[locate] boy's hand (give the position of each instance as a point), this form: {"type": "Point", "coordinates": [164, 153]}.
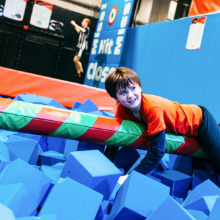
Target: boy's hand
{"type": "Point", "coordinates": [122, 179]}
{"type": "Point", "coordinates": [73, 23]}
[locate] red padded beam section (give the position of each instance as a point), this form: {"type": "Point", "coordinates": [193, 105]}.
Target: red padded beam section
{"type": "Point", "coordinates": [52, 119]}
{"type": "Point", "coordinates": [63, 92]}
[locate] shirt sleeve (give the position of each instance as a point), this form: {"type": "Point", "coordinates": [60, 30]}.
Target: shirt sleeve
{"type": "Point", "coordinates": [154, 120]}
{"type": "Point", "coordinates": [154, 154]}
{"type": "Point", "coordinates": [121, 112]}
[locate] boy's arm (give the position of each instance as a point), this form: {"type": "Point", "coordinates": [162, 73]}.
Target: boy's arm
{"type": "Point", "coordinates": [77, 27]}
{"type": "Point", "coordinates": [111, 152]}
{"type": "Point", "coordinates": [154, 154]}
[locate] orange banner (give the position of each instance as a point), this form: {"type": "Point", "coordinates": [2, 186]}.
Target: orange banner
{"type": "Point", "coordinates": [199, 7]}
{"type": "Point", "coordinates": [15, 82]}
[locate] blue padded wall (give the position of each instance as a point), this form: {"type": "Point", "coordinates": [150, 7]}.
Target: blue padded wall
{"type": "Point", "coordinates": [157, 53]}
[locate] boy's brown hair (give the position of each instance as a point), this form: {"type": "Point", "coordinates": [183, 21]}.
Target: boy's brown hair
{"type": "Point", "coordinates": [88, 21]}
{"type": "Point", "coordinates": [120, 79]}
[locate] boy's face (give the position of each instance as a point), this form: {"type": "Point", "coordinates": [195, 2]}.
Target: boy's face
{"type": "Point", "coordinates": [84, 24]}
{"type": "Point", "coordinates": [130, 97]}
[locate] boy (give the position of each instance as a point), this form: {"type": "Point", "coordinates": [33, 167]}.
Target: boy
{"type": "Point", "coordinates": [83, 32]}
{"type": "Point", "coordinates": [160, 115]}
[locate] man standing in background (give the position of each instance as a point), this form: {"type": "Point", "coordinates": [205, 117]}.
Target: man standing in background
{"type": "Point", "coordinates": [83, 32]}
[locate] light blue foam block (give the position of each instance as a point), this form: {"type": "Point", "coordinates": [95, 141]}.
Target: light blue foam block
{"type": "Point", "coordinates": [76, 105]}
{"type": "Point", "coordinates": [56, 144]}
{"type": "Point", "coordinates": [3, 164]}
{"type": "Point", "coordinates": [6, 213]}
{"type": "Point", "coordinates": [74, 145]}
{"type": "Point", "coordinates": [51, 102]}
{"type": "Point", "coordinates": [170, 209]}
{"type": "Point", "coordinates": [50, 158]}
{"type": "Point", "coordinates": [207, 188]}
{"type": "Point", "coordinates": [58, 165]}
{"type": "Point", "coordinates": [34, 181]}
{"type": "Point", "coordinates": [92, 169]}
{"type": "Point", "coordinates": [4, 152]}
{"type": "Point", "coordinates": [26, 149]}
{"type": "Point", "coordinates": [104, 209]}
{"type": "Point", "coordinates": [138, 197]}
{"type": "Point", "coordinates": [71, 200]}
{"type": "Point", "coordinates": [200, 176]}
{"type": "Point", "coordinates": [15, 197]}
{"type": "Point", "coordinates": [215, 212]}
{"type": "Point", "coordinates": [45, 217]}
{"type": "Point", "coordinates": [178, 182]}
{"type": "Point", "coordinates": [42, 140]}
{"type": "Point", "coordinates": [204, 204]}
{"type": "Point", "coordinates": [198, 214]}
{"type": "Point", "coordinates": [52, 172]}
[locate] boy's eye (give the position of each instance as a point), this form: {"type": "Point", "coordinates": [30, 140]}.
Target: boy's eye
{"type": "Point", "coordinates": [133, 88]}
{"type": "Point", "coordinates": [123, 93]}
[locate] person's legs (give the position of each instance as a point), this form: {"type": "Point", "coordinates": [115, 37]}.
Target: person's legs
{"type": "Point", "coordinates": [209, 136]}
{"type": "Point", "coordinates": [76, 61]}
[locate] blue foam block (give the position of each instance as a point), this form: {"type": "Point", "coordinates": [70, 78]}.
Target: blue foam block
{"type": "Point", "coordinates": [4, 152]}
{"type": "Point", "coordinates": [74, 145]}
{"type": "Point", "coordinates": [170, 209]}
{"type": "Point", "coordinates": [108, 114]}
{"type": "Point", "coordinates": [215, 212]}
{"type": "Point", "coordinates": [96, 113]}
{"type": "Point", "coordinates": [3, 164]}
{"type": "Point", "coordinates": [51, 102]}
{"type": "Point", "coordinates": [88, 106]}
{"type": "Point", "coordinates": [45, 217]}
{"type": "Point", "coordinates": [92, 169]}
{"type": "Point", "coordinates": [52, 172]}
{"type": "Point", "coordinates": [207, 188]}
{"type": "Point", "coordinates": [58, 165]}
{"type": "Point", "coordinates": [50, 158]}
{"type": "Point", "coordinates": [126, 157]}
{"type": "Point", "coordinates": [71, 200]}
{"type": "Point", "coordinates": [138, 197]}
{"type": "Point", "coordinates": [198, 215]}
{"type": "Point", "coordinates": [26, 149]}
{"type": "Point", "coordinates": [76, 105]}
{"type": "Point", "coordinates": [104, 209]}
{"type": "Point", "coordinates": [15, 197]}
{"type": "Point", "coordinates": [180, 163]}
{"type": "Point", "coordinates": [204, 204]}
{"type": "Point", "coordinates": [42, 140]}
{"type": "Point", "coordinates": [200, 176]}
{"type": "Point", "coordinates": [34, 181]}
{"type": "Point", "coordinates": [56, 144]}
{"type": "Point", "coordinates": [178, 182]}
{"type": "Point", "coordinates": [6, 213]}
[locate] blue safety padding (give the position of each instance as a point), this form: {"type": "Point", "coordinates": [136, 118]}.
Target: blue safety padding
{"type": "Point", "coordinates": [92, 169]}
{"type": "Point", "coordinates": [109, 42]}
{"type": "Point", "coordinates": [215, 213]}
{"type": "Point", "coordinates": [34, 181]}
{"type": "Point", "coordinates": [204, 204]}
{"type": "Point", "coordinates": [50, 158]}
{"type": "Point", "coordinates": [200, 176]}
{"type": "Point", "coordinates": [15, 197]}
{"type": "Point", "coordinates": [211, 89]}
{"type": "Point", "coordinates": [207, 188]}
{"type": "Point", "coordinates": [96, 73]}
{"type": "Point", "coordinates": [120, 13]}
{"type": "Point", "coordinates": [178, 182]}
{"type": "Point", "coordinates": [138, 197]}
{"type": "Point", "coordinates": [71, 200]}
{"type": "Point", "coordinates": [170, 209]}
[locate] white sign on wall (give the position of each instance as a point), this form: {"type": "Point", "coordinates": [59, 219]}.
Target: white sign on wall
{"type": "Point", "coordinates": [14, 9]}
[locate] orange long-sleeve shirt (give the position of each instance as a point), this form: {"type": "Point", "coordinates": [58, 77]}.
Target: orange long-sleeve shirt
{"type": "Point", "coordinates": [159, 113]}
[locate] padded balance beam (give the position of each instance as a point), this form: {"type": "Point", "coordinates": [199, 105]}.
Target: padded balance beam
{"type": "Point", "coordinates": [49, 121]}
